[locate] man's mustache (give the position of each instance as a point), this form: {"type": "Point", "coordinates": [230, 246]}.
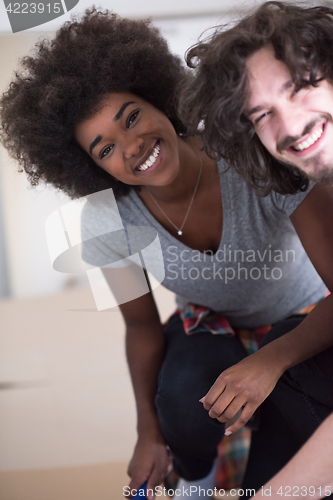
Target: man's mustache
{"type": "Point", "coordinates": [287, 141]}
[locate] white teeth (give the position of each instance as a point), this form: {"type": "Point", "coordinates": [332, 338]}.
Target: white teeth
{"type": "Point", "coordinates": [151, 160]}
{"type": "Point", "coordinates": [310, 140]}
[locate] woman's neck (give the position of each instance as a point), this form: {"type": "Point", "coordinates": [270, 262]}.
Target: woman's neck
{"type": "Point", "coordinates": [192, 162]}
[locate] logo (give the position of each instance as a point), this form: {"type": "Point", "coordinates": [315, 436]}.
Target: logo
{"type": "Point", "coordinates": [24, 15]}
{"type": "Point", "coordinates": [88, 234]}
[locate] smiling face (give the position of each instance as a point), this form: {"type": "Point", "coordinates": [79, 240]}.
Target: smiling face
{"type": "Point", "coordinates": [132, 140]}
{"type": "Point", "coordinates": [295, 127]}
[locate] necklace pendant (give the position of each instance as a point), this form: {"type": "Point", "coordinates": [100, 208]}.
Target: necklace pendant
{"type": "Point", "coordinates": [179, 231]}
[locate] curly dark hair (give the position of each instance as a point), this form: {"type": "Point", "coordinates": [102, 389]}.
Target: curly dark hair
{"type": "Point", "coordinates": [65, 81]}
{"type": "Point", "coordinates": [302, 38]}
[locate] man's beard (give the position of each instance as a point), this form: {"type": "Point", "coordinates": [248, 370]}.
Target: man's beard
{"type": "Point", "coordinates": [323, 174]}
{"type": "Point", "coordinates": [318, 170]}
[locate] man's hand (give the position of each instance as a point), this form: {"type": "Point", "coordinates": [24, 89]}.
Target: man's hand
{"type": "Point", "coordinates": [242, 386]}
{"type": "Point", "coordinates": [149, 462]}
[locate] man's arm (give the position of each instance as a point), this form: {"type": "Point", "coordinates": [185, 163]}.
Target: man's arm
{"type": "Point", "coordinates": [309, 474]}
{"type": "Point", "coordinates": [248, 383]}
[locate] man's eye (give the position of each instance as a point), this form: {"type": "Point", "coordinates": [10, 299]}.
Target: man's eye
{"type": "Point", "coordinates": [105, 151]}
{"type": "Point", "coordinates": [296, 90]}
{"type": "Point", "coordinates": [131, 119]}
{"type": "Point", "coordinates": [304, 84]}
{"type": "Point", "coordinates": [261, 117]}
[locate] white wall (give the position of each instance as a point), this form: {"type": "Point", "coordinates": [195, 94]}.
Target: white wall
{"type": "Point", "coordinates": [24, 210]}
{"type": "Point", "coordinates": [143, 9]}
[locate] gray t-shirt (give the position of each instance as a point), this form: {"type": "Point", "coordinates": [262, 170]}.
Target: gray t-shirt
{"type": "Point", "coordinates": [260, 273]}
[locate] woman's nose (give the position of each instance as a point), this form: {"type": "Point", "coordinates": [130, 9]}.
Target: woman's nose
{"type": "Point", "coordinates": [133, 147]}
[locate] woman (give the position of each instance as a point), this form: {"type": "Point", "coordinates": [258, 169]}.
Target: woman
{"type": "Point", "coordinates": [97, 108]}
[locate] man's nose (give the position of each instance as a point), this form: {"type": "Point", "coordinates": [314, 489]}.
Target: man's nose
{"type": "Point", "coordinates": [292, 121]}
{"type": "Point", "coordinates": [133, 146]}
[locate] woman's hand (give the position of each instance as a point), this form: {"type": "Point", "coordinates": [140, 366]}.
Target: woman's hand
{"type": "Point", "coordinates": [149, 463]}
{"type": "Point", "coordinates": [244, 385]}
{"type": "Point", "coordinates": [145, 347]}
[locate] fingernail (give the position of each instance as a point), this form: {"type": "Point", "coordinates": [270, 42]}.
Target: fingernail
{"type": "Point", "coordinates": [202, 400]}
{"type": "Point", "coordinates": [227, 433]}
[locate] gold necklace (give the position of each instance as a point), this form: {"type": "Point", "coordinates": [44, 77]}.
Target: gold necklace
{"type": "Point", "coordinates": [180, 229]}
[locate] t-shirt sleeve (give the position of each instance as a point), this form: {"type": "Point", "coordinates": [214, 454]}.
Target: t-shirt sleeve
{"type": "Point", "coordinates": [104, 242]}
{"type": "Point", "coordinates": [289, 202]}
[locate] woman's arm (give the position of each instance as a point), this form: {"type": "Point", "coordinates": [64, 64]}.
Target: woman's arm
{"type": "Point", "coordinates": [248, 383]}
{"type": "Point", "coordinates": [145, 352]}
{"type": "Point", "coordinates": [309, 474]}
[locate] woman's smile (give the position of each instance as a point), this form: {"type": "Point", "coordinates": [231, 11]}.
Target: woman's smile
{"type": "Point", "coordinates": [153, 160]}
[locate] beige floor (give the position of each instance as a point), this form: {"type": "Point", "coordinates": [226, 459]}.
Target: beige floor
{"type": "Point", "coordinates": [90, 482]}
{"type": "Point", "coordinates": [67, 414]}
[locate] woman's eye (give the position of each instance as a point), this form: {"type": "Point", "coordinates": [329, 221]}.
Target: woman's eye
{"type": "Point", "coordinates": [105, 151]}
{"type": "Point", "coordinates": [131, 119]}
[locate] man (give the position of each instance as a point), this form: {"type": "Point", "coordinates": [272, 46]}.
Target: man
{"type": "Point", "coordinates": [309, 473]}
{"type": "Point", "coordinates": [264, 90]}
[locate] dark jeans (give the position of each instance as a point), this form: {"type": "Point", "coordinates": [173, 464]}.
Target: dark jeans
{"type": "Point", "coordinates": [302, 398]}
